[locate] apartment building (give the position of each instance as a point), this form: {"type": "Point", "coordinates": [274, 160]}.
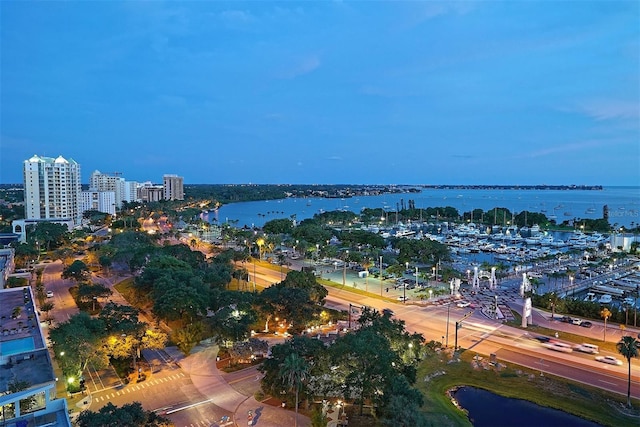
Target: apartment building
{"type": "Point", "coordinates": [173, 187]}
{"type": "Point", "coordinates": [102, 201]}
{"type": "Point", "coordinates": [27, 381]}
{"type": "Point", "coordinates": [151, 193]}
{"type": "Point", "coordinates": [52, 189]}
{"type": "Point", "coordinates": [104, 182]}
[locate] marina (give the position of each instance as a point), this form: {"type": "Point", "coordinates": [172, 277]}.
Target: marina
{"type": "Point", "coordinates": [565, 261]}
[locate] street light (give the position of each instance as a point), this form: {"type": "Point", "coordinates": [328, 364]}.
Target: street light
{"type": "Point", "coordinates": [404, 287]}
{"type": "Point", "coordinates": [381, 278]}
{"type": "Point", "coordinates": [571, 285]}
{"type": "Point", "coordinates": [344, 268]}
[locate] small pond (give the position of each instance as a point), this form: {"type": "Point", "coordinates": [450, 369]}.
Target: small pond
{"type": "Point", "coordinates": [487, 409]}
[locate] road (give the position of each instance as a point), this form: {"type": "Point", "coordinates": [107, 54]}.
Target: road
{"type": "Point", "coordinates": [186, 395]}
{"type": "Point", "coordinates": [486, 336]}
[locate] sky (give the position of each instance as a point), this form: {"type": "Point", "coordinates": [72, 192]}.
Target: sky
{"type": "Point", "coordinates": [311, 92]}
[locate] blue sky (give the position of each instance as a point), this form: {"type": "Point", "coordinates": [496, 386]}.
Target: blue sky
{"type": "Point", "coordinates": [483, 92]}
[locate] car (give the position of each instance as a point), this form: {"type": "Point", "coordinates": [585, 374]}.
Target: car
{"type": "Point", "coordinates": [576, 321]}
{"type": "Point", "coordinates": [587, 348]}
{"type": "Point", "coordinates": [463, 304]}
{"type": "Point", "coordinates": [609, 359]}
{"type": "Point", "coordinates": [402, 298]}
{"type": "Point", "coordinates": [558, 346]}
{"type": "Point", "coordinates": [586, 324]}
{"type": "Point", "coordinates": [49, 294]}
{"type": "Point", "coordinates": [565, 319]}
{"type": "Point", "coordinates": [543, 339]}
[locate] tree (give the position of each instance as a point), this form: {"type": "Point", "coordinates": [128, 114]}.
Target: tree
{"type": "Point", "coordinates": [605, 314]}
{"type": "Point", "coordinates": [88, 292]}
{"type": "Point", "coordinates": [128, 415]}
{"type": "Point", "coordinates": [77, 271]}
{"type": "Point", "coordinates": [186, 338]}
{"type": "Point", "coordinates": [49, 234]}
{"type": "Point", "coordinates": [628, 347]}
{"type": "Point", "coordinates": [120, 319]}
{"type": "Point", "coordinates": [295, 372]}
{"type": "Point", "coordinates": [77, 342]}
{"type": "Point", "coordinates": [46, 307]}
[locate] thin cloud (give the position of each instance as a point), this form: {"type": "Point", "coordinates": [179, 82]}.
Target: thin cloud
{"type": "Point", "coordinates": [611, 109]}
{"type": "Point", "coordinates": [237, 17]}
{"type": "Point", "coordinates": [335, 158]}
{"type": "Point", "coordinates": [304, 66]}
{"type": "Point", "coordinates": [567, 148]}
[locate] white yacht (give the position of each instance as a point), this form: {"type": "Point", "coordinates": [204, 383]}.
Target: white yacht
{"type": "Point", "coordinates": [591, 297]}
{"type": "Point", "coordinates": [605, 299]}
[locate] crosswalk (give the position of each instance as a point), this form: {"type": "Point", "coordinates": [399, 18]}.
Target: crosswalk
{"type": "Point", "coordinates": [137, 387]}
{"type": "Point", "coordinates": [207, 423]}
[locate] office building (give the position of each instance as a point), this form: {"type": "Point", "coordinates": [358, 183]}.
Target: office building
{"type": "Point", "coordinates": [52, 189]}
{"type": "Point", "coordinates": [173, 187]}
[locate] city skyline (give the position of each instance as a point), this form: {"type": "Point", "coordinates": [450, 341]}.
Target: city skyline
{"type": "Point", "coordinates": [325, 92]}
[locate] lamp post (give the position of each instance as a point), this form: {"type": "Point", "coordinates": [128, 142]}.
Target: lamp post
{"type": "Point", "coordinates": [380, 275]}
{"type": "Point", "coordinates": [404, 287]}
{"type": "Point", "coordinates": [254, 275]}
{"type": "Point", "coordinates": [573, 291]}
{"type": "Point", "coordinates": [344, 268]}
{"type": "Point", "coordinates": [417, 276]}
{"type": "Point", "coordinates": [447, 332]}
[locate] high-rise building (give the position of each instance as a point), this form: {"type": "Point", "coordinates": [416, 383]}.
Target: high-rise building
{"type": "Point", "coordinates": [173, 187]}
{"type": "Point", "coordinates": [131, 191]}
{"type": "Point", "coordinates": [52, 189]}
{"type": "Point", "coordinates": [102, 201]}
{"type": "Point", "coordinates": [104, 182]}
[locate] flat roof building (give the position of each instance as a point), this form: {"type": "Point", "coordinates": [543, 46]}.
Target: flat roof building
{"type": "Point", "coordinates": [52, 189]}
{"type": "Point", "coordinates": [27, 381]}
{"type": "Point", "coordinates": [173, 187]}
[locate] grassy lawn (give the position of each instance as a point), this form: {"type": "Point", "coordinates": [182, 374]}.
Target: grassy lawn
{"type": "Point", "coordinates": [436, 375]}
{"type": "Point", "coordinates": [126, 289]}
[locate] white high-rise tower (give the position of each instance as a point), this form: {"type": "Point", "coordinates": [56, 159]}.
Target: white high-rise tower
{"type": "Point", "coordinates": [52, 189]}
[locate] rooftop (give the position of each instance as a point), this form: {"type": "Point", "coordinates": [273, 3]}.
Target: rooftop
{"type": "Point", "coordinates": [23, 354]}
{"type": "Point", "coordinates": [18, 322]}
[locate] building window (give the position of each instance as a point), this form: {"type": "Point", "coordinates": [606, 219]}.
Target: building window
{"type": "Point", "coordinates": [8, 411]}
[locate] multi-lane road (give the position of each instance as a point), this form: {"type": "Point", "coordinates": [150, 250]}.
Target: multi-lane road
{"type": "Point", "coordinates": [486, 336]}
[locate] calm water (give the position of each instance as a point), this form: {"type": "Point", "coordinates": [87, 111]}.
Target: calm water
{"type": "Point", "coordinates": [487, 409]}
{"type": "Point", "coordinates": [623, 202]}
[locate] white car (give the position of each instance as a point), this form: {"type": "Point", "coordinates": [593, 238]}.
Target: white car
{"type": "Point", "coordinates": [49, 294]}
{"type": "Point", "coordinates": [558, 346]}
{"type": "Point", "coordinates": [609, 359]}
{"type": "Point", "coordinates": [587, 348]}
{"type": "Point", "coordinates": [463, 304]}
{"type": "Point", "coordinates": [401, 298]}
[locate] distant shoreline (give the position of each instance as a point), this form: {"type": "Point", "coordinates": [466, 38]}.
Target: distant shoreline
{"type": "Point", "coordinates": [514, 187]}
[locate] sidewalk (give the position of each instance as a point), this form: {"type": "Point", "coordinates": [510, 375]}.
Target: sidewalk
{"type": "Point", "coordinates": [201, 368]}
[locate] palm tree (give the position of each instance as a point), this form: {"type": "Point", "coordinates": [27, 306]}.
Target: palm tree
{"type": "Point", "coordinates": [605, 314]}
{"type": "Point", "coordinates": [294, 372]}
{"type": "Point", "coordinates": [628, 347]}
